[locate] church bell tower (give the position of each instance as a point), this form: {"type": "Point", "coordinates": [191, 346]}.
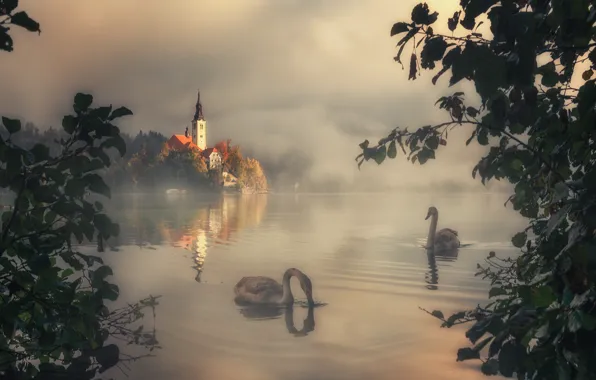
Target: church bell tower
{"type": "Point", "coordinates": [199, 126]}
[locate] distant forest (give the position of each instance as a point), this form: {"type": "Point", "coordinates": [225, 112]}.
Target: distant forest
{"type": "Point", "coordinates": [117, 175]}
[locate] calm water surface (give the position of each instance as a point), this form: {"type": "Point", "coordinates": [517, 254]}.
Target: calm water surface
{"type": "Point", "coordinates": [362, 254]}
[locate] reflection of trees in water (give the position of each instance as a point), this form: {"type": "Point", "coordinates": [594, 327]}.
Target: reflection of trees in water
{"type": "Point", "coordinates": [431, 277]}
{"type": "Point", "coordinates": [275, 312]}
{"type": "Point", "coordinates": [184, 221]}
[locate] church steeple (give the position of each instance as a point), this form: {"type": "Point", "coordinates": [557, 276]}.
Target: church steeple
{"type": "Point", "coordinates": [198, 108]}
{"type": "Point", "coordinates": [199, 125]}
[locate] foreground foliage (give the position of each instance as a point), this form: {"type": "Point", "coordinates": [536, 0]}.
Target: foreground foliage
{"type": "Point", "coordinates": [540, 132]}
{"type": "Point", "coordinates": [55, 320]}
{"type": "Point", "coordinates": [53, 296]}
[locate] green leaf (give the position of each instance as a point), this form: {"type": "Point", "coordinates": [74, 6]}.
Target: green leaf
{"type": "Point", "coordinates": [589, 179]}
{"type": "Point", "coordinates": [82, 102]}
{"type": "Point", "coordinates": [466, 354]}
{"type": "Point", "coordinates": [49, 216]}
{"type": "Point", "coordinates": [490, 367]}
{"type": "Point", "coordinates": [452, 21]}
{"type": "Point", "coordinates": [97, 185]}
{"type": "Point", "coordinates": [519, 239]}
{"type": "Point", "coordinates": [10, 5]}
{"type": "Point", "coordinates": [543, 296]}
{"type": "Point", "coordinates": [380, 154]}
{"type": "Point", "coordinates": [517, 129]}
{"type": "Point", "coordinates": [517, 164]}
{"type": "Point", "coordinates": [586, 98]}
{"type": "Point", "coordinates": [392, 150]}
{"type": "Point", "coordinates": [75, 187]}
{"type": "Point", "coordinates": [120, 112]}
{"type": "Point", "coordinates": [103, 112]}
{"type": "Point", "coordinates": [433, 51]}
{"type": "Point", "coordinates": [40, 152]}
{"type": "Point", "coordinates": [23, 20]}
{"type": "Point", "coordinates": [550, 77]}
{"type": "Point", "coordinates": [579, 320]}
{"type": "Point", "coordinates": [399, 27]}
{"type": "Point", "coordinates": [424, 155]}
{"type": "Point", "coordinates": [115, 142]}
{"type": "Point", "coordinates": [421, 15]}
{"type": "Point", "coordinates": [508, 359]}
{"type": "Point", "coordinates": [69, 123]}
{"type": "Point", "coordinates": [472, 112]}
{"type": "Point", "coordinates": [496, 291]}
{"type": "Point", "coordinates": [438, 314]}
{"type": "Point", "coordinates": [482, 136]}
{"type": "Point", "coordinates": [432, 142]}
{"type": "Point", "coordinates": [67, 272]}
{"type": "Point", "coordinates": [103, 223]}
{"type": "Point", "coordinates": [11, 125]}
{"type": "Point", "coordinates": [98, 206]}
{"type": "Point", "coordinates": [6, 42]}
{"type": "Point", "coordinates": [550, 80]}
{"type": "Point", "coordinates": [39, 263]}
{"type": "Point", "coordinates": [110, 292]}
{"type": "Point", "coordinates": [107, 356]}
{"type": "Point", "coordinates": [101, 274]}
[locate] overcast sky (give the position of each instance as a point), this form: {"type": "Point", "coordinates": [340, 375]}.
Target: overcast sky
{"type": "Point", "coordinates": [275, 75]}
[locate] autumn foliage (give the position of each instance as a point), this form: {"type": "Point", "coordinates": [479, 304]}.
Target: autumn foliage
{"type": "Point", "coordinates": [223, 147]}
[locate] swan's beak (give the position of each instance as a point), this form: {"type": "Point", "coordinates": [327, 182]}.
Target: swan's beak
{"type": "Point", "coordinates": [427, 216]}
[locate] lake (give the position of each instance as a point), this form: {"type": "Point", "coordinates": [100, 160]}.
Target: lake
{"type": "Point", "coordinates": [362, 253]}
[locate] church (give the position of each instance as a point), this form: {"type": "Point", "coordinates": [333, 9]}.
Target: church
{"type": "Point", "coordinates": [197, 139]}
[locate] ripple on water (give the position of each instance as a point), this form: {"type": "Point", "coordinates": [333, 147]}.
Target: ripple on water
{"type": "Point", "coordinates": [372, 273]}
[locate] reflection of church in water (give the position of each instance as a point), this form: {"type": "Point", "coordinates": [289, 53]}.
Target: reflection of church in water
{"type": "Point", "coordinates": [211, 228]}
{"type": "Point", "coordinates": [214, 224]}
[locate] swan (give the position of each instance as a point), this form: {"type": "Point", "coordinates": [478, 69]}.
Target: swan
{"type": "Point", "coordinates": [266, 291]}
{"type": "Point", "coordinates": [442, 241]}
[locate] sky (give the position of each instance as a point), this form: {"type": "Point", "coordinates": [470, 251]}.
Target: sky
{"type": "Point", "coordinates": [298, 81]}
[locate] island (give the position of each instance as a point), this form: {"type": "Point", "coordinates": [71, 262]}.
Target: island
{"type": "Point", "coordinates": [186, 161]}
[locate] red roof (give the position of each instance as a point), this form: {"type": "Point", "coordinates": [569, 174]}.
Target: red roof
{"type": "Point", "coordinates": [181, 142]}
{"type": "Point", "coordinates": [207, 152]}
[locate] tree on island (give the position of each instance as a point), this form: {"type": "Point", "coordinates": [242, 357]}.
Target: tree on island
{"type": "Point", "coordinates": [541, 130]}
{"type": "Point", "coordinates": [56, 320]}
{"type": "Point", "coordinates": [223, 147]}
{"type": "Point", "coordinates": [251, 175]}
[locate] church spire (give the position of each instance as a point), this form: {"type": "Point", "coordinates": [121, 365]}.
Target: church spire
{"type": "Point", "coordinates": [198, 108]}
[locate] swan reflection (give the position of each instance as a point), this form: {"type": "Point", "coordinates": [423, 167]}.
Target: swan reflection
{"type": "Point", "coordinates": [431, 277]}
{"type": "Point", "coordinates": [272, 312]}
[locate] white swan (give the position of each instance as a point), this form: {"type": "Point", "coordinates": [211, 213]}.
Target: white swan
{"type": "Point", "coordinates": [266, 291]}
{"type": "Point", "coordinates": [444, 241]}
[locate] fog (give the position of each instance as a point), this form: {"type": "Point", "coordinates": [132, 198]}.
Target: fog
{"type": "Point", "coordinates": [298, 84]}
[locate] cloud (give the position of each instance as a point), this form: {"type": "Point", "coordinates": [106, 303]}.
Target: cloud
{"type": "Point", "coordinates": [275, 76]}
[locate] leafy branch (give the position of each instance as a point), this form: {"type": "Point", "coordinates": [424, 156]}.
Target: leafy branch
{"type": "Point", "coordinates": [540, 137]}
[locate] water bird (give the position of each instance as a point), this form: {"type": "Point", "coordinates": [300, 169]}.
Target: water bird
{"type": "Point", "coordinates": [261, 290]}
{"type": "Point", "coordinates": [444, 241]}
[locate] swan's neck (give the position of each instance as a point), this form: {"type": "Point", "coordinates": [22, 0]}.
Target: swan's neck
{"type": "Point", "coordinates": [287, 298]}
{"type": "Point", "coordinates": [432, 231]}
